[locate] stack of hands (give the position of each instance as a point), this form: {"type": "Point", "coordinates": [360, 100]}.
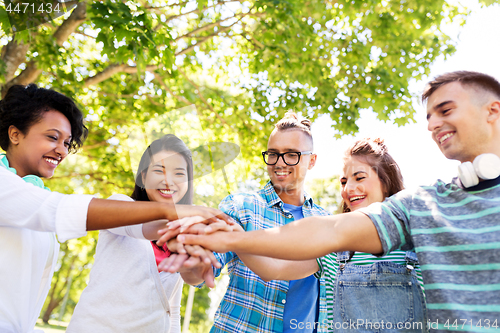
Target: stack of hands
{"type": "Point", "coordinates": [188, 257]}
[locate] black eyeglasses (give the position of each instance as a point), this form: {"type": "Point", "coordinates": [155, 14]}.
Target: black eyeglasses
{"type": "Point", "coordinates": [290, 158]}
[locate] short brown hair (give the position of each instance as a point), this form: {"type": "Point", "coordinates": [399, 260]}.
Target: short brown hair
{"type": "Point", "coordinates": [377, 156]}
{"type": "Point", "coordinates": [467, 78]}
{"type": "Point", "coordinates": [291, 121]}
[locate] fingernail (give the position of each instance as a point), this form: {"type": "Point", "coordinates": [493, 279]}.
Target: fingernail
{"type": "Point", "coordinates": [180, 238]}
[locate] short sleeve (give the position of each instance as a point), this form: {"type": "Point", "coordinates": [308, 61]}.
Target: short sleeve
{"type": "Point", "coordinates": [392, 221]}
{"type": "Point", "coordinates": [321, 271]}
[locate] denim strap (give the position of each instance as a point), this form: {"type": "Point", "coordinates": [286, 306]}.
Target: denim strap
{"type": "Point", "coordinates": [411, 258]}
{"type": "Point", "coordinates": [344, 256]}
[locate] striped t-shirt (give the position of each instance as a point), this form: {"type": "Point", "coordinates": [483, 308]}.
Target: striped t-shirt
{"type": "Point", "coordinates": [456, 235]}
{"type": "Point", "coordinates": [329, 266]}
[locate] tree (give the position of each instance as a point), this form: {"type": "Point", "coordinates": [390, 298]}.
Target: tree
{"type": "Point", "coordinates": [326, 192]}
{"type": "Point", "coordinates": [75, 258]}
{"type": "Point", "coordinates": [242, 64]}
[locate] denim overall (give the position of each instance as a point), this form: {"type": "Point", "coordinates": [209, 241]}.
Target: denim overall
{"type": "Point", "coordinates": [381, 297]}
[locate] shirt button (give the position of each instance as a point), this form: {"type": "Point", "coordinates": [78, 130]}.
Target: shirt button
{"type": "Point", "coordinates": [283, 301]}
{"type": "Point", "coordinates": [289, 215]}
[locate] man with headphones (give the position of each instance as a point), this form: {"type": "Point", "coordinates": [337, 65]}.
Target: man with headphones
{"type": "Point", "coordinates": [454, 228]}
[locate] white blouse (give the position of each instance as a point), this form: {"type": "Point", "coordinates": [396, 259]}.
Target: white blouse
{"type": "Point", "coordinates": [30, 217]}
{"type": "Point", "coordinates": [125, 292]}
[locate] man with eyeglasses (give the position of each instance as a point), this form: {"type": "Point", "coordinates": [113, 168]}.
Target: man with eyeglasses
{"type": "Point", "coordinates": [251, 304]}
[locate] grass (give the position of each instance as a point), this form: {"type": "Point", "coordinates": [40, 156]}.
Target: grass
{"type": "Point", "coordinates": [52, 327]}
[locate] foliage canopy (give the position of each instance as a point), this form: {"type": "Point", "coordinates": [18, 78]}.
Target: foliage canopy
{"type": "Point", "coordinates": [241, 63]}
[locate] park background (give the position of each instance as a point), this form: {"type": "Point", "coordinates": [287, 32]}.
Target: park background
{"type": "Point", "coordinates": [226, 71]}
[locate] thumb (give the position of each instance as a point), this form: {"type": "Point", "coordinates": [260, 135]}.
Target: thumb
{"type": "Point", "coordinates": [209, 278]}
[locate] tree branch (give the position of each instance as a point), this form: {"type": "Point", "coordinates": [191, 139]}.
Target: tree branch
{"type": "Point", "coordinates": [31, 73]}
{"type": "Point", "coordinates": [13, 54]}
{"type": "Point", "coordinates": [105, 74]}
{"type": "Point", "coordinates": [173, 5]}
{"type": "Point", "coordinates": [213, 25]}
{"type": "Point", "coordinates": [181, 99]}
{"type": "Point", "coordinates": [197, 10]}
{"type": "Point", "coordinates": [252, 39]}
{"type": "Point", "coordinates": [152, 100]}
{"type": "Point", "coordinates": [28, 75]}
{"type": "Point", "coordinates": [112, 70]}
{"type": "Point", "coordinates": [203, 99]}
{"type": "Point", "coordinates": [77, 17]}
{"type": "Point", "coordinates": [84, 34]}
{"type": "Point", "coordinates": [133, 69]}
{"type": "Point", "coordinates": [204, 39]}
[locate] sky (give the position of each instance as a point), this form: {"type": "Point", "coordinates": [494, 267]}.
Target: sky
{"type": "Point", "coordinates": [420, 160]}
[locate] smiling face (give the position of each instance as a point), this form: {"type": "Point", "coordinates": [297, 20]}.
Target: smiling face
{"type": "Point", "coordinates": [457, 117]}
{"type": "Point", "coordinates": [39, 151]}
{"type": "Point", "coordinates": [286, 179]}
{"type": "Point", "coordinates": [166, 178]}
{"type": "Point", "coordinates": [361, 185]}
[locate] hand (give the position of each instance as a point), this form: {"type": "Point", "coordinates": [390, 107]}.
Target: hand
{"type": "Point", "coordinates": [214, 227]}
{"type": "Point", "coordinates": [205, 256]}
{"type": "Point", "coordinates": [218, 241]}
{"type": "Point", "coordinates": [188, 259]}
{"type": "Point", "coordinates": [172, 228]}
{"type": "Point", "coordinates": [209, 214]}
{"type": "Point", "coordinates": [194, 225]}
{"type": "Point", "coordinates": [174, 246]}
{"type": "Point", "coordinates": [185, 223]}
{"type": "Point", "coordinates": [183, 263]}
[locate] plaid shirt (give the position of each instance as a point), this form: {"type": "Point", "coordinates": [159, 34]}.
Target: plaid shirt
{"type": "Point", "coordinates": [251, 304]}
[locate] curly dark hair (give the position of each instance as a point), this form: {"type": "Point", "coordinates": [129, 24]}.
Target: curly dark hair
{"type": "Point", "coordinates": [24, 106]}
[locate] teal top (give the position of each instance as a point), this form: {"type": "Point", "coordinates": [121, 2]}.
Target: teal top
{"type": "Point", "coordinates": [455, 232]}
{"type": "Point", "coordinates": [32, 179]}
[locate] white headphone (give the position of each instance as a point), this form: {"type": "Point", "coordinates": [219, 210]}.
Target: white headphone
{"type": "Point", "coordinates": [485, 166]}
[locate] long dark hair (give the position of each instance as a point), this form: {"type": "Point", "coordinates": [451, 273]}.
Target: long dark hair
{"type": "Point", "coordinates": [375, 153]}
{"type": "Point", "coordinates": [167, 142]}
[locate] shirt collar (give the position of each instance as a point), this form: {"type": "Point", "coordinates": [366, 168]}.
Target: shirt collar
{"type": "Point", "coordinates": [483, 185]}
{"type": "Point", "coordinates": [272, 197]}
